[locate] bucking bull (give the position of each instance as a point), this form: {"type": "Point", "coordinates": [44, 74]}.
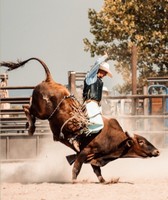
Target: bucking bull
{"type": "Point", "coordinates": [53, 102]}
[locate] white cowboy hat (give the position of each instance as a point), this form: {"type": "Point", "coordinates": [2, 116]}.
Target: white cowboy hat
{"type": "Point", "coordinates": [105, 67]}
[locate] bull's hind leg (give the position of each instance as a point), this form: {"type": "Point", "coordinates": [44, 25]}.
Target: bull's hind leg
{"type": "Point", "coordinates": [31, 120]}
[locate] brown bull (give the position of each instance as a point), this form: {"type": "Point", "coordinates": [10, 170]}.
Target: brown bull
{"type": "Point", "coordinates": [110, 144]}
{"type": "Point", "coordinates": [52, 101]}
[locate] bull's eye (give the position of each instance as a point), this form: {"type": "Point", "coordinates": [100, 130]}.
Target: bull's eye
{"type": "Point", "coordinates": [141, 142]}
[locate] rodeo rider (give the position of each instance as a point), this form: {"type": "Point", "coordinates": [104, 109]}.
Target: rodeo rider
{"type": "Point", "coordinates": [92, 95]}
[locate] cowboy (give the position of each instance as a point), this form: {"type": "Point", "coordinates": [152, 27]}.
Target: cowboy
{"type": "Point", "coordinates": [92, 95]}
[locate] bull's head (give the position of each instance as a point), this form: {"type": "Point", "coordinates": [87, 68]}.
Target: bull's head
{"type": "Point", "coordinates": [140, 147]}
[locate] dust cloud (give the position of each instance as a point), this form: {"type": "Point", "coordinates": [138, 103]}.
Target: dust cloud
{"type": "Point", "coordinates": [52, 166]}
{"type": "Point", "coordinates": [49, 166]}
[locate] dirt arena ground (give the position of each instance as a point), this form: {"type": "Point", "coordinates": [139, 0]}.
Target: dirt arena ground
{"type": "Point", "coordinates": [49, 178]}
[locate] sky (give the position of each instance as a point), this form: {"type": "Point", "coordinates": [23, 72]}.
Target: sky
{"type": "Point", "coordinates": [51, 30]}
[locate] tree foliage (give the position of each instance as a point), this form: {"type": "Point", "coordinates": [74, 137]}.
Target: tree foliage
{"type": "Point", "coordinates": [120, 24]}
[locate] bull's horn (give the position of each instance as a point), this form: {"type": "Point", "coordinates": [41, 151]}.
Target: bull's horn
{"type": "Point", "coordinates": [130, 134]}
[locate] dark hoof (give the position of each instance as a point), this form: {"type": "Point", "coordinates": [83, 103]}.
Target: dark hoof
{"type": "Point", "coordinates": [112, 181]}
{"type": "Point", "coordinates": [74, 181]}
{"type": "Point", "coordinates": [27, 125]}
{"type": "Point", "coordinates": [31, 130]}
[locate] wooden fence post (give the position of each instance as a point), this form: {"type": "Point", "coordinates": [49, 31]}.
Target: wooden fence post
{"type": "Point", "coordinates": [134, 78]}
{"type": "Point", "coordinates": [72, 81]}
{"type": "Point", "coordinates": [145, 108]}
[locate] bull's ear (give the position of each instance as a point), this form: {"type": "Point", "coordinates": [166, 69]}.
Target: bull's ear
{"type": "Point", "coordinates": [131, 135]}
{"type": "Point", "coordinates": [129, 143]}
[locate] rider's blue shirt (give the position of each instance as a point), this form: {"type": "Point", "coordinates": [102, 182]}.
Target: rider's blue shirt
{"type": "Point", "coordinates": [91, 76]}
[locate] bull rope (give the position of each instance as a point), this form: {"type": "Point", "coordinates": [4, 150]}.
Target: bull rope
{"type": "Point", "coordinates": [61, 133]}
{"type": "Point", "coordinates": [73, 117]}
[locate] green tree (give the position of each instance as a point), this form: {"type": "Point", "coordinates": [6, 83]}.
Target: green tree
{"type": "Point", "coordinates": [119, 25]}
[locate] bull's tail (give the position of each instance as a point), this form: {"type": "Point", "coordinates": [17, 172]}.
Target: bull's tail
{"type": "Point", "coordinates": [12, 66]}
{"type": "Point", "coordinates": [71, 158]}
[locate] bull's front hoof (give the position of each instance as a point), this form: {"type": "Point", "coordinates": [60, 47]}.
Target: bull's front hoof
{"type": "Point", "coordinates": [101, 179]}
{"type": "Point", "coordinates": [112, 181]}
{"type": "Point", "coordinates": [74, 181]}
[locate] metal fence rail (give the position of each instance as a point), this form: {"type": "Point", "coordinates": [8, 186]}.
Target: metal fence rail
{"type": "Point", "coordinates": [15, 143]}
